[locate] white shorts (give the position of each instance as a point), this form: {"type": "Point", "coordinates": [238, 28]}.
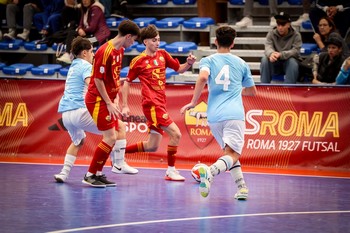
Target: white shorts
{"type": "Point", "coordinates": [229, 133]}
{"type": "Point", "coordinates": [77, 122]}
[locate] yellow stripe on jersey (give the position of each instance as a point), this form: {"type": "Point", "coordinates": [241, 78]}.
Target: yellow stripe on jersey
{"type": "Point", "coordinates": [107, 52]}
{"type": "Point", "coordinates": [96, 109]}
{"type": "Point", "coordinates": [138, 57]}
{"type": "Point", "coordinates": [154, 116]}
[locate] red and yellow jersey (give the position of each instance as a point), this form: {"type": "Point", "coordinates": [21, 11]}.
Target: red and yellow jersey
{"type": "Point", "coordinates": [107, 65]}
{"type": "Point", "coordinates": [151, 73]}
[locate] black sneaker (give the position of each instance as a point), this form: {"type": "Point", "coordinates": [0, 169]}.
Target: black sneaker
{"type": "Point", "coordinates": [93, 181]}
{"type": "Point", "coordinates": [104, 180]}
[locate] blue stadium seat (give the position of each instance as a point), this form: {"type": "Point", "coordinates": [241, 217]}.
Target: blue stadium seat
{"type": "Point", "coordinates": [184, 2]}
{"type": "Point", "coordinates": [33, 46]}
{"type": "Point", "coordinates": [295, 2]}
{"type": "Point", "coordinates": [46, 69]}
{"type": "Point", "coordinates": [170, 22]}
{"type": "Point", "coordinates": [307, 25]}
{"type": "Point", "coordinates": [237, 2]}
{"type": "Point", "coordinates": [124, 72]}
{"type": "Point", "coordinates": [144, 21]}
{"type": "Point", "coordinates": [198, 22]}
{"type": "Point", "coordinates": [180, 47]}
{"type": "Point", "coordinates": [11, 44]}
{"type": "Point", "coordinates": [2, 65]}
{"type": "Point", "coordinates": [308, 48]}
{"type": "Point", "coordinates": [141, 47]}
{"type": "Point", "coordinates": [170, 72]}
{"type": "Point", "coordinates": [64, 71]}
{"type": "Point", "coordinates": [114, 22]}
{"type": "Point", "coordinates": [157, 2]}
{"type": "Point", "coordinates": [17, 68]}
{"type": "Point", "coordinates": [133, 46]}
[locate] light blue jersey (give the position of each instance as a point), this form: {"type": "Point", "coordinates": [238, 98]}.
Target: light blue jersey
{"type": "Point", "coordinates": [227, 75]}
{"type": "Point", "coordinates": [75, 88]}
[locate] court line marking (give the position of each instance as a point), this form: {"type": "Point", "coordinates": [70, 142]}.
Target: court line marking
{"type": "Point", "coordinates": [183, 169]}
{"type": "Point", "coordinates": [197, 218]}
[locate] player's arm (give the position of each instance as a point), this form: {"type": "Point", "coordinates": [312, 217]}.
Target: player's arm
{"type": "Point", "coordinates": [125, 94]}
{"type": "Point", "coordinates": [189, 62]}
{"type": "Point", "coordinates": [200, 84]}
{"type": "Point", "coordinates": [249, 91]}
{"type": "Point", "coordinates": [112, 109]}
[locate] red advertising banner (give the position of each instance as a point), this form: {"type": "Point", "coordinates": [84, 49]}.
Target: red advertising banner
{"type": "Point", "coordinates": [288, 127]}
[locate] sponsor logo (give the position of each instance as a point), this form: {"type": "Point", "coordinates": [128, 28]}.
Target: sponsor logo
{"type": "Point", "coordinates": [197, 125]}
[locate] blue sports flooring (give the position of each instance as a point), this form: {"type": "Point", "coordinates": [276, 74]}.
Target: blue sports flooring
{"type": "Point", "coordinates": [31, 201]}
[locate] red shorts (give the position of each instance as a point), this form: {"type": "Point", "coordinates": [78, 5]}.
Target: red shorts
{"type": "Point", "coordinates": [157, 116]}
{"type": "Point", "coordinates": [99, 112]}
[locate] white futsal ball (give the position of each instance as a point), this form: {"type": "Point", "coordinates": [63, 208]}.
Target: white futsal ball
{"type": "Point", "coordinates": [195, 172]}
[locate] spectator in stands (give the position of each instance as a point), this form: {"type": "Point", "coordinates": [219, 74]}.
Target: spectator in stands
{"type": "Point", "coordinates": [337, 10]}
{"type": "Point", "coordinates": [92, 25]}
{"type": "Point", "coordinates": [21, 11]}
{"type": "Point", "coordinates": [71, 14]}
{"type": "Point", "coordinates": [247, 20]}
{"type": "Point", "coordinates": [305, 16]}
{"type": "Point", "coordinates": [327, 64]}
{"type": "Point", "coordinates": [108, 7]}
{"type": "Point", "coordinates": [344, 73]}
{"type": "Point", "coordinates": [49, 21]}
{"type": "Point", "coordinates": [3, 4]}
{"type": "Point", "coordinates": [327, 28]}
{"type": "Point", "coordinates": [282, 51]}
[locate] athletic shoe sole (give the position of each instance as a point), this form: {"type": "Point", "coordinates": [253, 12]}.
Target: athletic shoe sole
{"type": "Point", "coordinates": [204, 185]}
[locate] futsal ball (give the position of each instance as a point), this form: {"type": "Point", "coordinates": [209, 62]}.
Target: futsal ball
{"type": "Point", "coordinates": [195, 172]}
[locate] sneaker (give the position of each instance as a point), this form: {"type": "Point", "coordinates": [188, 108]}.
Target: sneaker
{"type": "Point", "coordinates": [65, 58]}
{"type": "Point", "coordinates": [242, 194]}
{"type": "Point", "coordinates": [104, 180]}
{"type": "Point", "coordinates": [11, 35]}
{"type": "Point", "coordinates": [206, 178]}
{"type": "Point", "coordinates": [273, 22]}
{"type": "Point", "coordinates": [245, 22]}
{"type": "Point", "coordinates": [93, 181]}
{"type": "Point", "coordinates": [24, 35]}
{"type": "Point", "coordinates": [61, 178]}
{"type": "Point", "coordinates": [124, 169]}
{"type": "Point", "coordinates": [173, 176]}
{"type": "Point", "coordinates": [304, 17]}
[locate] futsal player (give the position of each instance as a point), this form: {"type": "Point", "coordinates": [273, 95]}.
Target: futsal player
{"type": "Point", "coordinates": [150, 67]}
{"type": "Point", "coordinates": [227, 77]}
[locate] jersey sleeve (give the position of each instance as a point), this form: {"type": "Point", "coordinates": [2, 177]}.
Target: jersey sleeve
{"type": "Point", "coordinates": [247, 76]}
{"type": "Point", "coordinates": [100, 61]}
{"type": "Point", "coordinates": [134, 69]}
{"type": "Point", "coordinates": [171, 62]}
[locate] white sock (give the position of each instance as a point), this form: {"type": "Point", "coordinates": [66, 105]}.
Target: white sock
{"type": "Point", "coordinates": [118, 152]}
{"type": "Point", "coordinates": [221, 165]}
{"type": "Point", "coordinates": [171, 168]}
{"type": "Point", "coordinates": [69, 161]}
{"type": "Point", "coordinates": [237, 175]}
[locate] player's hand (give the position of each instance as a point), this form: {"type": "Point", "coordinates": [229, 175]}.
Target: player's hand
{"type": "Point", "coordinates": [191, 59]}
{"type": "Point", "coordinates": [113, 111]}
{"type": "Point", "coordinates": [186, 107]}
{"type": "Point", "coordinates": [125, 111]}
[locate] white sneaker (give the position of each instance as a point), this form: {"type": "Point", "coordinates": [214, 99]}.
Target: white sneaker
{"type": "Point", "coordinates": [65, 58]}
{"type": "Point", "coordinates": [173, 176]}
{"type": "Point", "coordinates": [24, 35]}
{"type": "Point", "coordinates": [61, 178]}
{"type": "Point", "coordinates": [242, 194]}
{"type": "Point", "coordinates": [273, 22]}
{"type": "Point", "coordinates": [206, 179]}
{"type": "Point", "coordinates": [304, 17]}
{"type": "Point", "coordinates": [11, 35]}
{"type": "Point", "coordinates": [124, 169]}
{"type": "Point", "coordinates": [245, 22]}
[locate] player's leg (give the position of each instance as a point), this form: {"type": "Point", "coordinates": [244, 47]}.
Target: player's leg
{"type": "Point", "coordinates": [77, 136]}
{"type": "Point", "coordinates": [119, 164]}
{"type": "Point", "coordinates": [174, 139]}
{"type": "Point", "coordinates": [94, 175]}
